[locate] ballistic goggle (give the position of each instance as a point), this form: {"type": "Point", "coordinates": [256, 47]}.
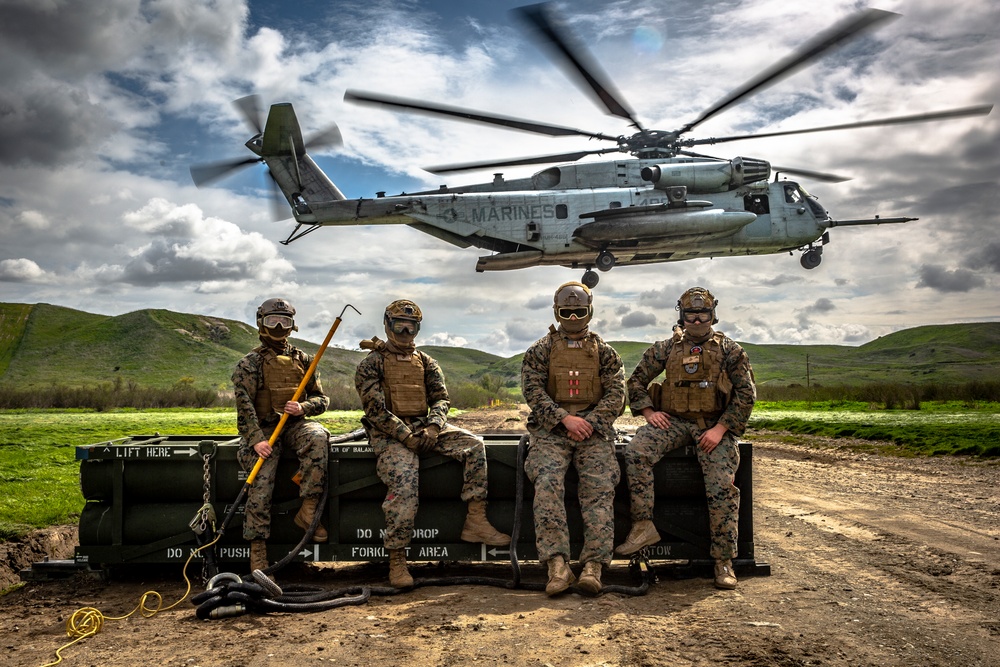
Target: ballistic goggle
{"type": "Point", "coordinates": [692, 316]}
{"type": "Point", "coordinates": [275, 321]}
{"type": "Point", "coordinates": [400, 325]}
{"type": "Point", "coordinates": [577, 312]}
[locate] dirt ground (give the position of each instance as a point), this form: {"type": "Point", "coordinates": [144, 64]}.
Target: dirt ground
{"type": "Point", "coordinates": [874, 561]}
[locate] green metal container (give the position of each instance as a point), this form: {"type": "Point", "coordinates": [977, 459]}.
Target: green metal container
{"type": "Point", "coordinates": [142, 493]}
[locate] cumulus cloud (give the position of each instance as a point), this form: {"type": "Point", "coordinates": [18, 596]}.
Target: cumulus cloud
{"type": "Point", "coordinates": [538, 302]}
{"type": "Point", "coordinates": [638, 319]}
{"type": "Point", "coordinates": [942, 279]}
{"type": "Point", "coordinates": [445, 339]}
{"type": "Point", "coordinates": [190, 247]}
{"type": "Point", "coordinates": [20, 271]}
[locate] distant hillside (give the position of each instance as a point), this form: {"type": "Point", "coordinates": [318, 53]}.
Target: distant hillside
{"type": "Point", "coordinates": [42, 345]}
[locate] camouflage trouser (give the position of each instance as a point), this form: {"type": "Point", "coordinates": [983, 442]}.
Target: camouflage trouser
{"type": "Point", "coordinates": [549, 457]}
{"type": "Point", "coordinates": [399, 469]}
{"type": "Point", "coordinates": [311, 443]}
{"type": "Point", "coordinates": [718, 467]}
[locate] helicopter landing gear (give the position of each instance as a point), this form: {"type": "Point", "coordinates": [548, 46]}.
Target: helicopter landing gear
{"type": "Point", "coordinates": [605, 260]}
{"type": "Point", "coordinates": [811, 258]}
{"type": "Point", "coordinates": [590, 278]}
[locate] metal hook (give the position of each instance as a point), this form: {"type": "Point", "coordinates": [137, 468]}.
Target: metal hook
{"type": "Point", "coordinates": [341, 316]}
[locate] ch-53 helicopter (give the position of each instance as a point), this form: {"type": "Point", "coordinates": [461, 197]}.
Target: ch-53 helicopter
{"type": "Point", "coordinates": [666, 204]}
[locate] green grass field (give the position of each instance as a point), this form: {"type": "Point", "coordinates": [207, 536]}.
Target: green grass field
{"type": "Point", "coordinates": [39, 476]}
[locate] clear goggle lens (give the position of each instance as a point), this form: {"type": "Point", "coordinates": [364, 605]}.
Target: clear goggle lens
{"type": "Point", "coordinates": [692, 316]}
{"type": "Point", "coordinates": [401, 326]}
{"type": "Point", "coordinates": [275, 321]}
{"type": "Point", "coordinates": [578, 313]}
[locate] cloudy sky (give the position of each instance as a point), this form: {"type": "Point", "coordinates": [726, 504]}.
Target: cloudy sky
{"type": "Point", "coordinates": [105, 105]}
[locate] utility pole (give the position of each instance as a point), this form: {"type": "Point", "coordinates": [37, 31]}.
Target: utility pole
{"type": "Point", "coordinates": [807, 372]}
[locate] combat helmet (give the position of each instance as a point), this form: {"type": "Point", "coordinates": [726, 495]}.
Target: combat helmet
{"type": "Point", "coordinates": [402, 316]}
{"type": "Point", "coordinates": [276, 319]}
{"type": "Point", "coordinates": [696, 300]}
{"type": "Point", "coordinates": [573, 307]}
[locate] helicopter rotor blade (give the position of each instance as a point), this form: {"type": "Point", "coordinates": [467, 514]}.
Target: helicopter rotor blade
{"type": "Point", "coordinates": [360, 97]}
{"type": "Point", "coordinates": [249, 107]}
{"type": "Point", "coordinates": [538, 159]}
{"type": "Point", "coordinates": [979, 110]}
{"type": "Point", "coordinates": [205, 174]}
{"type": "Point", "coordinates": [279, 205]}
{"type": "Point", "coordinates": [575, 55]}
{"type": "Point", "coordinates": [328, 138]}
{"type": "Point", "coordinates": [847, 29]}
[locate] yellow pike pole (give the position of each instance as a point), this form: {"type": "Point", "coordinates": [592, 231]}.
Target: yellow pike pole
{"type": "Point", "coordinates": [284, 417]}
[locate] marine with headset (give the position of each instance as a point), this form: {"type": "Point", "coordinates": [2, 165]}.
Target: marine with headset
{"type": "Point", "coordinates": [575, 386]}
{"type": "Point", "coordinates": [704, 400]}
{"type": "Point", "coordinates": [264, 382]}
{"type": "Point", "coordinates": [406, 403]}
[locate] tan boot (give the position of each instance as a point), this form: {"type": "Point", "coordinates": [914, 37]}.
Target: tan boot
{"type": "Point", "coordinates": [560, 576]}
{"type": "Point", "coordinates": [478, 528]}
{"type": "Point", "coordinates": [590, 578]}
{"type": "Point", "coordinates": [258, 555]}
{"type": "Point", "coordinates": [399, 576]}
{"type": "Point", "coordinates": [305, 517]}
{"type": "Point", "coordinates": [724, 575]}
{"type": "Point", "coordinates": [643, 534]}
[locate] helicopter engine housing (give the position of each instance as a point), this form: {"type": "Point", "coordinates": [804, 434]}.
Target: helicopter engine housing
{"type": "Point", "coordinates": [708, 176]}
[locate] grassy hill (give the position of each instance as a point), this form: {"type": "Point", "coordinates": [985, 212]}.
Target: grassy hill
{"type": "Point", "coordinates": [42, 345]}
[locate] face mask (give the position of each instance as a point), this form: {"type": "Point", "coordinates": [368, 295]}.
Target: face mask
{"type": "Point", "coordinates": [699, 331]}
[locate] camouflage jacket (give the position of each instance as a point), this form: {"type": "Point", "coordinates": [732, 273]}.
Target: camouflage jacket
{"type": "Point", "coordinates": [546, 415]}
{"type": "Point", "coordinates": [249, 377]}
{"type": "Point", "coordinates": [369, 381]}
{"type": "Point", "coordinates": [735, 364]}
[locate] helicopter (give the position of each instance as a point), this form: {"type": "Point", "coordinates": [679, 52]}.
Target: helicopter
{"type": "Point", "coordinates": [660, 202]}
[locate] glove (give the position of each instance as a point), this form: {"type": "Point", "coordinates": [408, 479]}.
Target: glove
{"type": "Point", "coordinates": [428, 438]}
{"type": "Point", "coordinates": [412, 442]}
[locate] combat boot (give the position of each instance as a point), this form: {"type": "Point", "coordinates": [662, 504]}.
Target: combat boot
{"type": "Point", "coordinates": [590, 578]}
{"type": "Point", "coordinates": [478, 528]}
{"type": "Point", "coordinates": [724, 575]}
{"type": "Point", "coordinates": [258, 555]}
{"type": "Point", "coordinates": [305, 516]}
{"type": "Point", "coordinates": [643, 534]}
{"type": "Point", "coordinates": [399, 576]}
{"type": "Point", "coordinates": [560, 576]}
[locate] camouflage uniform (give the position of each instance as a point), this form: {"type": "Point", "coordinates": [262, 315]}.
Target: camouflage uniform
{"type": "Point", "coordinates": [398, 466]}
{"type": "Point", "coordinates": [308, 439]}
{"type": "Point", "coordinates": [551, 451]}
{"type": "Point", "coordinates": [719, 466]}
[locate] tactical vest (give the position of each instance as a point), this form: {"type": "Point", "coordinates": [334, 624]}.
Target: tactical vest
{"type": "Point", "coordinates": [281, 377]}
{"type": "Point", "coordinates": [574, 373]}
{"type": "Point", "coordinates": [694, 385]}
{"type": "Point", "coordinates": [403, 384]}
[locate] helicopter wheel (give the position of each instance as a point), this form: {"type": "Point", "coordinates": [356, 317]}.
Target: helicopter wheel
{"type": "Point", "coordinates": [590, 278]}
{"type": "Point", "coordinates": [810, 259]}
{"type": "Point", "coordinates": [605, 260]}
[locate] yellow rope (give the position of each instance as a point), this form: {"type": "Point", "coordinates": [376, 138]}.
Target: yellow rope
{"type": "Point", "coordinates": [88, 621]}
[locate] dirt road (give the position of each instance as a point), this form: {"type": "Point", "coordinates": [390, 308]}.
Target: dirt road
{"type": "Point", "coordinates": [875, 561]}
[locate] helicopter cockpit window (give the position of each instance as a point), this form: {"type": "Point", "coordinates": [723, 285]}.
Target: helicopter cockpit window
{"type": "Point", "coordinates": [757, 204]}
{"type": "Point", "coordinates": [792, 194]}
{"type": "Point", "coordinates": [562, 211]}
